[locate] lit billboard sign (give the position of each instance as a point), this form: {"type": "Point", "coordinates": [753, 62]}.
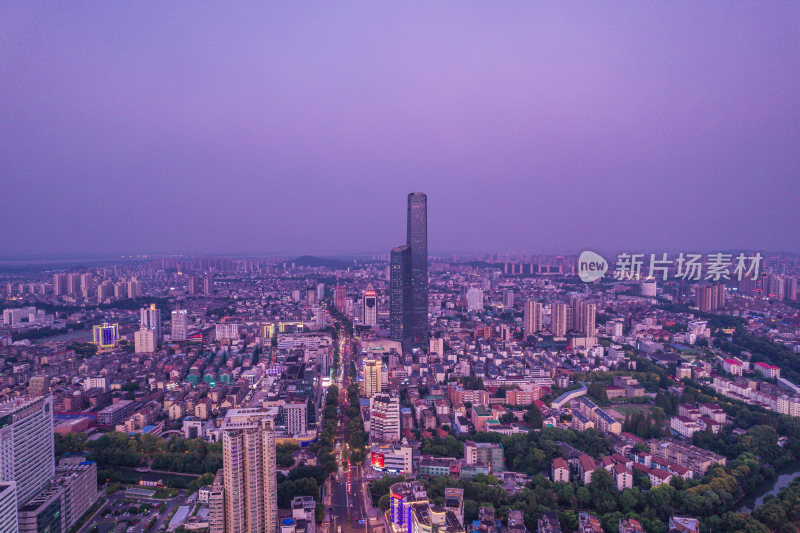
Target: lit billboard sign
{"type": "Point", "coordinates": [377, 460]}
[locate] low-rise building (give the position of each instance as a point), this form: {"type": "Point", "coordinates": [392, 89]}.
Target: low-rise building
{"type": "Point", "coordinates": [586, 465]}
{"type": "Point", "coordinates": [560, 470]}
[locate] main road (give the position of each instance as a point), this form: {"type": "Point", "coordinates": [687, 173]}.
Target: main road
{"type": "Point", "coordinates": [346, 491]}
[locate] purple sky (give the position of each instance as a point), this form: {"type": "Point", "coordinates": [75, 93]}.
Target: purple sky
{"type": "Point", "coordinates": [128, 127]}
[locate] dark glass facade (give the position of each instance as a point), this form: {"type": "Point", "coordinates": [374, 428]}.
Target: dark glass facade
{"type": "Point", "coordinates": [400, 294]}
{"type": "Point", "coordinates": [417, 240]}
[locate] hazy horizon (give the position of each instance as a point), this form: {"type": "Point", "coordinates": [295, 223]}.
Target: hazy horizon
{"type": "Point", "coordinates": [288, 129]}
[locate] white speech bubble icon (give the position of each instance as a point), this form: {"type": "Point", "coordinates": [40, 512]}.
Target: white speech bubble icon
{"type": "Point", "coordinates": [591, 266]}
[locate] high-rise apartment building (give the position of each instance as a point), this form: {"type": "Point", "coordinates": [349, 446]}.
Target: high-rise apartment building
{"type": "Point", "coordinates": [194, 285]}
{"type": "Point", "coordinates": [295, 414]}
{"type": "Point", "coordinates": [87, 280]}
{"type": "Point", "coordinates": [384, 422]}
{"type": "Point", "coordinates": [74, 284]}
{"type": "Point", "coordinates": [588, 326]}
{"type": "Point", "coordinates": [216, 504]}
{"type": "Point", "coordinates": [120, 289]}
{"type": "Point", "coordinates": [27, 456]}
{"type": "Point", "coordinates": [417, 240]}
{"type": "Point", "coordinates": [105, 290]}
{"type": "Point", "coordinates": [474, 299]}
{"type": "Point", "coordinates": [59, 284]}
{"type": "Point", "coordinates": [248, 458]}
{"type": "Point", "coordinates": [208, 285]}
{"type": "Point", "coordinates": [710, 297]}
{"type": "Point", "coordinates": [134, 288]}
{"type": "Point", "coordinates": [370, 306]}
{"type": "Point", "coordinates": [532, 318]}
{"type": "Point", "coordinates": [180, 325]}
{"type": "Point", "coordinates": [508, 299]}
{"type": "Point", "coordinates": [145, 340]}
{"type": "Point", "coordinates": [400, 294]}
{"type": "Point", "coordinates": [558, 319]}
{"type": "Point", "coordinates": [583, 317]}
{"type": "Point", "coordinates": [372, 377]}
{"type": "Point", "coordinates": [339, 296]}
{"type": "Point", "coordinates": [150, 318]}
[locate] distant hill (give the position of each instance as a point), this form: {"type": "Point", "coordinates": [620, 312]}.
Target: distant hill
{"type": "Point", "coordinates": [311, 261]}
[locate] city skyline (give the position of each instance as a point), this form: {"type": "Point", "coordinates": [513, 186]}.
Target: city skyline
{"type": "Point", "coordinates": [549, 129]}
{"type": "Point", "coordinates": [364, 267]}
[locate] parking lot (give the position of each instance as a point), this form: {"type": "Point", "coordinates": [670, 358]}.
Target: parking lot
{"type": "Point", "coordinates": [121, 514]}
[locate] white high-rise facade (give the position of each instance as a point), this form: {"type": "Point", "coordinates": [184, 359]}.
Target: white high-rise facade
{"type": "Point", "coordinates": [151, 318]}
{"type": "Point", "coordinates": [558, 319]}
{"type": "Point", "coordinates": [144, 341]}
{"type": "Point", "coordinates": [295, 413]}
{"type": "Point", "coordinates": [384, 421]}
{"type": "Point", "coordinates": [532, 319]}
{"type": "Point", "coordinates": [372, 377]}
{"type": "Point", "coordinates": [248, 458]}
{"type": "Point", "coordinates": [27, 456]}
{"type": "Point", "coordinates": [226, 331]}
{"type": "Point", "coordinates": [474, 299]}
{"type": "Point", "coordinates": [180, 325]}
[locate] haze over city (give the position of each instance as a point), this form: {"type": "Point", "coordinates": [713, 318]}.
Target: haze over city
{"type": "Point", "coordinates": [293, 129]}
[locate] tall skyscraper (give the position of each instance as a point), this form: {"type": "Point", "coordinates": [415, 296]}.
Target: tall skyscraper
{"type": "Point", "coordinates": [370, 306]}
{"type": "Point", "coordinates": [400, 294]}
{"type": "Point", "coordinates": [558, 319]}
{"type": "Point", "coordinates": [27, 456]}
{"type": "Point", "coordinates": [372, 377]}
{"type": "Point", "coordinates": [180, 325]}
{"type": "Point", "coordinates": [532, 319]}
{"type": "Point", "coordinates": [248, 459]}
{"type": "Point", "coordinates": [417, 240]}
{"type": "Point", "coordinates": [150, 317]}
